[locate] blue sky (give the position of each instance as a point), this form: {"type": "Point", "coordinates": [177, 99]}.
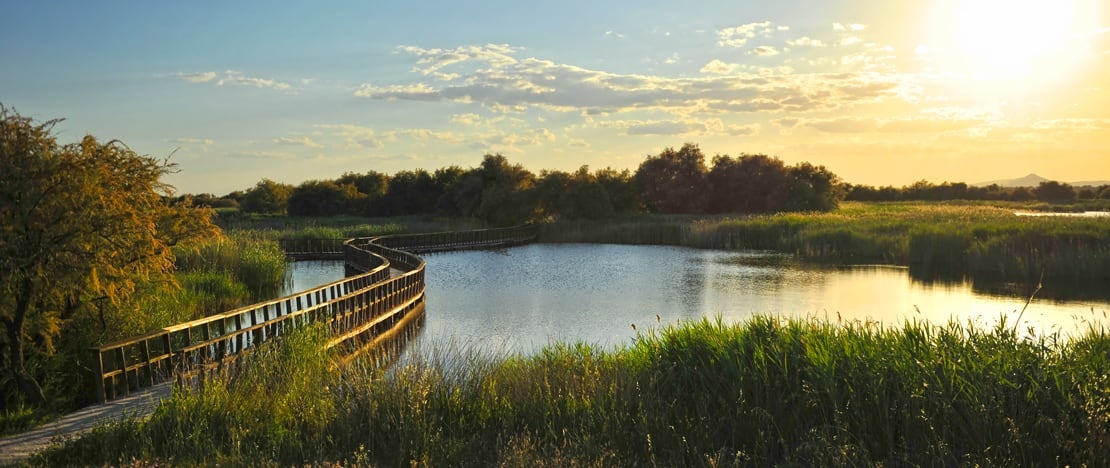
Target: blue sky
{"type": "Point", "coordinates": [879, 92]}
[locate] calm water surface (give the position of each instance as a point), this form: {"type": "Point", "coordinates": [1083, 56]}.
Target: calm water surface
{"type": "Point", "coordinates": [523, 298]}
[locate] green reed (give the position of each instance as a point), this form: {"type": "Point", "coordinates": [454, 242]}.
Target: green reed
{"type": "Point", "coordinates": [937, 240]}
{"type": "Point", "coordinates": [258, 264]}
{"type": "Point", "coordinates": [705, 393]}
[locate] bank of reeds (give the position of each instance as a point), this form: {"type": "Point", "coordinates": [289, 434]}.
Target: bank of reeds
{"type": "Point", "coordinates": [937, 241]}
{"type": "Point", "coordinates": [280, 227]}
{"type": "Point", "coordinates": [226, 266]}
{"type": "Point", "coordinates": [767, 391]}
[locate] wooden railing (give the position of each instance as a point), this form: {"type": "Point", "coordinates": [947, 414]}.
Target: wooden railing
{"type": "Point", "coordinates": [312, 249]}
{"type": "Point", "coordinates": [369, 301]}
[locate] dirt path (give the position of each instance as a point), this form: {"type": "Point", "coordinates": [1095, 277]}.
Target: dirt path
{"type": "Point", "coordinates": [18, 447]}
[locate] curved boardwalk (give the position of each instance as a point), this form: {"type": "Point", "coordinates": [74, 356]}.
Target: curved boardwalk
{"type": "Point", "coordinates": [385, 281]}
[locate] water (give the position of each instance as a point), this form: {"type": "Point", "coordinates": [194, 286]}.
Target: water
{"type": "Point", "coordinates": [523, 298]}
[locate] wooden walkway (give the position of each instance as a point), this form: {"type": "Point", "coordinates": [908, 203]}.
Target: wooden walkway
{"type": "Point", "coordinates": [384, 283]}
{"type": "Point", "coordinates": [18, 447]}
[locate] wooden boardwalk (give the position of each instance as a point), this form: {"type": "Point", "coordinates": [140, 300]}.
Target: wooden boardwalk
{"type": "Point", "coordinates": [384, 284]}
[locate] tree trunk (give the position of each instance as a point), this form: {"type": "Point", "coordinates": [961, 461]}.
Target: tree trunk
{"type": "Point", "coordinates": [26, 383]}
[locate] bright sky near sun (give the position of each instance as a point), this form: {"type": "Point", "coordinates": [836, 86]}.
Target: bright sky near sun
{"type": "Point", "coordinates": [879, 92]}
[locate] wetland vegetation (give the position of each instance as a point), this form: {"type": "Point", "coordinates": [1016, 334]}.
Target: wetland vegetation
{"type": "Point", "coordinates": [766, 391]}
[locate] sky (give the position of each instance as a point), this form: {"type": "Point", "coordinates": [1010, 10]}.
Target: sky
{"type": "Point", "coordinates": [881, 93]}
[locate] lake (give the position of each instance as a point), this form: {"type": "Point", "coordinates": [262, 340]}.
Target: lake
{"type": "Point", "coordinates": [523, 298]}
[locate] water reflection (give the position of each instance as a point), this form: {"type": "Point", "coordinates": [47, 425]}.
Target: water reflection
{"type": "Point", "coordinates": [523, 298]}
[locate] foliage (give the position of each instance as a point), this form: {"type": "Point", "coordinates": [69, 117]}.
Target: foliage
{"type": "Point", "coordinates": [325, 198]}
{"type": "Point", "coordinates": [266, 196]}
{"type": "Point", "coordinates": [81, 225]}
{"type": "Point", "coordinates": [674, 181]}
{"type": "Point", "coordinates": [748, 184]}
{"type": "Point", "coordinates": [764, 392]}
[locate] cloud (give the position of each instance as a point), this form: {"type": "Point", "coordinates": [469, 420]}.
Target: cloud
{"type": "Point", "coordinates": [354, 136]}
{"type": "Point", "coordinates": [201, 77]}
{"type": "Point", "coordinates": [764, 51]}
{"type": "Point", "coordinates": [891, 125]}
{"type": "Point", "coordinates": [266, 155]}
{"type": "Point", "coordinates": [233, 78]}
{"type": "Point", "coordinates": [297, 141]}
{"type": "Point", "coordinates": [849, 27]}
{"type": "Point", "coordinates": [192, 141]}
{"type": "Point", "coordinates": [737, 36]}
{"type": "Point", "coordinates": [423, 135]}
{"type": "Point", "coordinates": [413, 92]}
{"type": "Point", "coordinates": [465, 119]}
{"type": "Point", "coordinates": [743, 130]}
{"type": "Point", "coordinates": [614, 34]}
{"type": "Point", "coordinates": [806, 41]}
{"type": "Point", "coordinates": [505, 83]}
{"type": "Point", "coordinates": [677, 127]}
{"type": "Point", "coordinates": [718, 67]}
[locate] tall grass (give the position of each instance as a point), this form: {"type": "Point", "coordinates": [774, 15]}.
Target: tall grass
{"type": "Point", "coordinates": [280, 227]}
{"type": "Point", "coordinates": [257, 264]}
{"type": "Point", "coordinates": [937, 241]}
{"type": "Point", "coordinates": [767, 391]}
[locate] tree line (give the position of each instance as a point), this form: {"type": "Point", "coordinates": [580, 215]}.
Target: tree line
{"type": "Point", "coordinates": [1047, 191]}
{"type": "Point", "coordinates": [500, 192]}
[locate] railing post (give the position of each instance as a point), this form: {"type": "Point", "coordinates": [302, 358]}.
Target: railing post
{"type": "Point", "coordinates": [101, 395]}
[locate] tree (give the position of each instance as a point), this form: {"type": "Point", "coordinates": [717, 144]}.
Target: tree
{"type": "Point", "coordinates": [266, 196]}
{"type": "Point", "coordinates": [1052, 191]}
{"type": "Point", "coordinates": [508, 195]}
{"type": "Point", "coordinates": [373, 186]}
{"type": "Point", "coordinates": [325, 198]}
{"type": "Point", "coordinates": [754, 183]}
{"type": "Point", "coordinates": [80, 226]}
{"type": "Point", "coordinates": [812, 188]}
{"type": "Point", "coordinates": [574, 196]}
{"type": "Point", "coordinates": [674, 181]}
{"type": "Point", "coordinates": [411, 192]}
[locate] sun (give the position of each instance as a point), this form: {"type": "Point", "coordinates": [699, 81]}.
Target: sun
{"type": "Point", "coordinates": [1011, 40]}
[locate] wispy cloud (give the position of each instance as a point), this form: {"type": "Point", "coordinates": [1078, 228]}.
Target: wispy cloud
{"type": "Point", "coordinates": [718, 67]}
{"type": "Point", "coordinates": [233, 78]}
{"type": "Point", "coordinates": [500, 81]}
{"type": "Point", "coordinates": [738, 36]}
{"type": "Point", "coordinates": [297, 141]}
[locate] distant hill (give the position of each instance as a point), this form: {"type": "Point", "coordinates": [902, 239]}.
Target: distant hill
{"type": "Point", "coordinates": [1033, 180]}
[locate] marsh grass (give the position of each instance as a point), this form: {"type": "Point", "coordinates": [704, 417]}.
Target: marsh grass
{"type": "Point", "coordinates": [947, 241]}
{"type": "Point", "coordinates": [705, 393]}
{"type": "Point", "coordinates": [281, 227]}
{"type": "Point", "coordinates": [258, 265]}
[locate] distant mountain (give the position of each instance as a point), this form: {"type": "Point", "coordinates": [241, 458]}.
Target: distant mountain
{"type": "Point", "coordinates": [1033, 180]}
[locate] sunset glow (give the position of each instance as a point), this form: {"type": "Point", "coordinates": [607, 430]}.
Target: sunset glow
{"type": "Point", "coordinates": [951, 90]}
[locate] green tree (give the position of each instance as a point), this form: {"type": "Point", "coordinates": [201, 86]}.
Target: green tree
{"type": "Point", "coordinates": [674, 181]}
{"type": "Point", "coordinates": [812, 188]}
{"type": "Point", "coordinates": [266, 196]}
{"type": "Point", "coordinates": [80, 226]}
{"type": "Point", "coordinates": [621, 187]}
{"type": "Point", "coordinates": [373, 186]}
{"type": "Point", "coordinates": [508, 195]}
{"type": "Point", "coordinates": [1052, 191]}
{"type": "Point", "coordinates": [411, 192]}
{"type": "Point", "coordinates": [325, 198]}
{"type": "Point", "coordinates": [753, 183]}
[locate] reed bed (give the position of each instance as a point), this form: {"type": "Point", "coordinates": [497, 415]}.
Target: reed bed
{"type": "Point", "coordinates": [936, 240]}
{"type": "Point", "coordinates": [280, 227]}
{"type": "Point", "coordinates": [706, 393]}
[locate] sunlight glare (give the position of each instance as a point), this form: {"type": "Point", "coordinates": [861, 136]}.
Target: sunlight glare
{"type": "Point", "coordinates": [1013, 40]}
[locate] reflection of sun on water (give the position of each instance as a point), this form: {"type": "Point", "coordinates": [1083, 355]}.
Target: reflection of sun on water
{"type": "Point", "coordinates": [1026, 42]}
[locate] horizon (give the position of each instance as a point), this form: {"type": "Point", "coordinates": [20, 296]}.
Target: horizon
{"type": "Point", "coordinates": [880, 94]}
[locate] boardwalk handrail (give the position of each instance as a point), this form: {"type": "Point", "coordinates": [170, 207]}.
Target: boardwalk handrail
{"type": "Point", "coordinates": [368, 300]}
